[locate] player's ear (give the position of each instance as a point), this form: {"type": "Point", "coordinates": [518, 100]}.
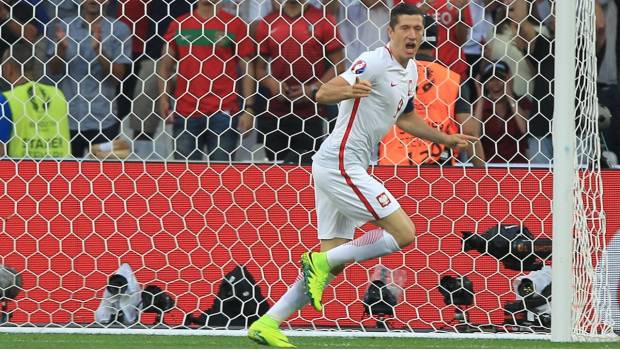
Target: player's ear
{"type": "Point", "coordinates": [390, 31]}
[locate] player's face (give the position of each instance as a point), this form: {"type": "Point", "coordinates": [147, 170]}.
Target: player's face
{"type": "Point", "coordinates": [406, 36]}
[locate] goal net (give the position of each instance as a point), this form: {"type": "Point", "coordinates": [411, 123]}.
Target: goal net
{"type": "Point", "coordinates": [169, 142]}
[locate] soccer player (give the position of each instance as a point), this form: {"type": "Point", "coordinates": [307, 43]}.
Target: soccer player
{"type": "Point", "coordinates": [376, 92]}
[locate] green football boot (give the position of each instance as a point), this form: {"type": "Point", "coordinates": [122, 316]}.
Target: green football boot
{"type": "Point", "coordinates": [316, 271]}
{"type": "Point", "coordinates": [265, 331]}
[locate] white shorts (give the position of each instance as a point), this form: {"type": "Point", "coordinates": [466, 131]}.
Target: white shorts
{"type": "Point", "coordinates": [344, 202]}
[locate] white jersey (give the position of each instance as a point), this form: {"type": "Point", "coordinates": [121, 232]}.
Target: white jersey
{"type": "Point", "coordinates": [362, 123]}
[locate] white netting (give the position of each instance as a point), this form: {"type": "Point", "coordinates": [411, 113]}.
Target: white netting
{"type": "Point", "coordinates": [184, 144]}
{"type": "Point", "coordinates": [592, 310]}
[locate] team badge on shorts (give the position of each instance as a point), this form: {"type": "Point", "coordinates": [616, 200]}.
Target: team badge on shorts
{"type": "Point", "coordinates": [383, 200]}
{"type": "Point", "coordinates": [359, 67]}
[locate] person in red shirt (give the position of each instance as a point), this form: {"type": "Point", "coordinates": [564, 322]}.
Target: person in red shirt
{"type": "Point", "coordinates": [454, 19]}
{"type": "Point", "coordinates": [148, 20]}
{"type": "Point", "coordinates": [210, 48]}
{"type": "Point", "coordinates": [503, 123]}
{"type": "Point", "coordinates": [301, 49]}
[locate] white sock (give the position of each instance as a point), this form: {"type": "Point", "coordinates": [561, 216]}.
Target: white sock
{"type": "Point", "coordinates": [372, 244]}
{"type": "Point", "coordinates": [294, 299]}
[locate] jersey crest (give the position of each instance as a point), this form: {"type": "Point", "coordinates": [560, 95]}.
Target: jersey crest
{"type": "Point", "coordinates": [359, 67]}
{"type": "Point", "coordinates": [383, 200]}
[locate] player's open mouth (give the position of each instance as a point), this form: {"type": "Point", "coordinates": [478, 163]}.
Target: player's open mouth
{"type": "Point", "coordinates": [410, 46]}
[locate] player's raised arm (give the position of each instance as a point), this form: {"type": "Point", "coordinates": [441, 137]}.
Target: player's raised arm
{"type": "Point", "coordinates": [339, 89]}
{"type": "Point", "coordinates": [416, 126]}
{"type": "Point", "coordinates": [355, 82]}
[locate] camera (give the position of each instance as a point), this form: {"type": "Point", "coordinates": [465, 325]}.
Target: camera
{"type": "Point", "coordinates": [117, 284]}
{"type": "Point", "coordinates": [155, 300]}
{"type": "Point", "coordinates": [456, 291]}
{"type": "Point", "coordinates": [383, 294]}
{"type": "Point", "coordinates": [533, 305]}
{"type": "Point", "coordinates": [10, 286]}
{"type": "Point", "coordinates": [513, 245]}
{"type": "Point", "coordinates": [459, 291]}
{"type": "Point", "coordinates": [379, 301]}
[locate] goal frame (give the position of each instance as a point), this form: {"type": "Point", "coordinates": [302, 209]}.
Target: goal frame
{"type": "Point", "coordinates": [563, 171]}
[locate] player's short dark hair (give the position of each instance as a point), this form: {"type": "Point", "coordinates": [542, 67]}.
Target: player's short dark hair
{"type": "Point", "coordinates": [403, 9]}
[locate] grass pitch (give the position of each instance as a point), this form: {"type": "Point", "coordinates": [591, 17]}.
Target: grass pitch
{"type": "Point", "coordinates": [87, 341]}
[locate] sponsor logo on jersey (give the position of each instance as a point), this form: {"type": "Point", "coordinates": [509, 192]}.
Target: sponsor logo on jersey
{"type": "Point", "coordinates": [383, 200]}
{"type": "Point", "coordinates": [359, 67]}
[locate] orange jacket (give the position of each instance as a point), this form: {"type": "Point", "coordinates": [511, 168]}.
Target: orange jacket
{"type": "Point", "coordinates": [436, 95]}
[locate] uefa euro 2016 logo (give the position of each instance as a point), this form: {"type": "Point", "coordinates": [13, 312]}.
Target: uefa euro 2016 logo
{"type": "Point", "coordinates": [359, 67]}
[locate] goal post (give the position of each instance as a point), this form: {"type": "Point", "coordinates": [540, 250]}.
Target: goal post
{"type": "Point", "coordinates": [564, 171]}
{"type": "Point", "coordinates": [581, 296]}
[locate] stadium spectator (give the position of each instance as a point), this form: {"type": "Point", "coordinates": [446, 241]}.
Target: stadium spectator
{"type": "Point", "coordinates": [363, 25]}
{"type": "Point", "coordinates": [63, 8]}
{"type": "Point", "coordinates": [88, 60]}
{"type": "Point", "coordinates": [211, 47]}
{"type": "Point", "coordinates": [149, 20]}
{"type": "Point", "coordinates": [544, 11]}
{"type": "Point", "coordinates": [299, 48]}
{"type": "Point", "coordinates": [479, 35]}
{"type": "Point", "coordinates": [536, 41]}
{"type": "Point", "coordinates": [16, 23]}
{"type": "Point", "coordinates": [454, 19]}
{"type": "Point", "coordinates": [134, 14]}
{"type": "Point", "coordinates": [607, 83]}
{"type": "Point", "coordinates": [33, 116]}
{"type": "Point", "coordinates": [504, 45]}
{"type": "Point", "coordinates": [41, 15]}
{"type": "Point", "coordinates": [504, 124]}
{"type": "Point", "coordinates": [438, 101]}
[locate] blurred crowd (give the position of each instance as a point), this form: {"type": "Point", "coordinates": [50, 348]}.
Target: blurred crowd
{"type": "Point", "coordinates": [222, 78]}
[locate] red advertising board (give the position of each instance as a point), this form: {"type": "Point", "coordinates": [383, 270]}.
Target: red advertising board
{"type": "Point", "coordinates": [68, 225]}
